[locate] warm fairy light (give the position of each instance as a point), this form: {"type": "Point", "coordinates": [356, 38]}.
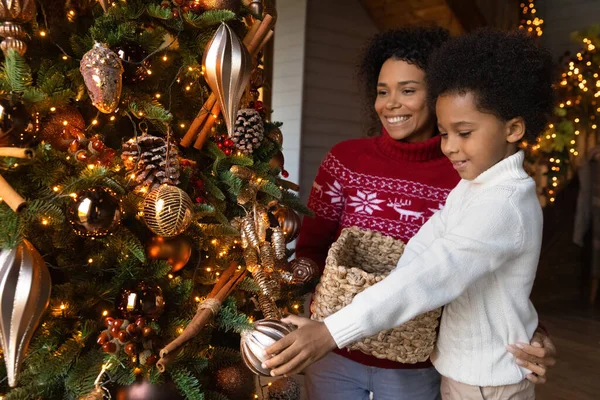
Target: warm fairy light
{"type": "Point", "coordinates": [91, 166]}
{"type": "Point", "coordinates": [198, 299]}
{"type": "Point", "coordinates": [214, 241]}
{"type": "Point", "coordinates": [575, 153]}
{"type": "Point", "coordinates": [56, 188]}
{"type": "Point", "coordinates": [208, 269]}
{"type": "Point", "coordinates": [256, 396]}
{"type": "Point", "coordinates": [569, 102]}
{"type": "Point", "coordinates": [180, 330]}
{"type": "Point", "coordinates": [149, 72]}
{"type": "Point", "coordinates": [65, 57]}
{"type": "Point", "coordinates": [190, 69]}
{"type": "Point", "coordinates": [170, 276]}
{"type": "Point", "coordinates": [65, 122]}
{"type": "Point", "coordinates": [95, 122]}
{"type": "Point", "coordinates": [217, 273]}
{"type": "Point", "coordinates": [182, 125]}
{"type": "Point", "coordinates": [90, 260]}
{"type": "Point", "coordinates": [112, 117]}
{"type": "Point", "coordinates": [52, 109]}
{"type": "Point", "coordinates": [141, 114]}
{"type": "Point", "coordinates": [73, 195]}
{"type": "Point", "coordinates": [63, 306]}
{"type": "Point", "coordinates": [165, 58]}
{"type": "Point", "coordinates": [44, 221]}
{"type": "Point", "coordinates": [104, 313]}
{"type": "Point", "coordinates": [157, 95]}
{"type": "Point", "coordinates": [576, 132]}
{"type": "Point", "coordinates": [132, 176]}
{"type": "Point", "coordinates": [296, 306]}
{"type": "Point", "coordinates": [187, 88]}
{"type": "Point", "coordinates": [42, 33]}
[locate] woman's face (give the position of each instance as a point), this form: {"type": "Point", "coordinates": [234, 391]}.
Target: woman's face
{"type": "Point", "coordinates": [401, 102]}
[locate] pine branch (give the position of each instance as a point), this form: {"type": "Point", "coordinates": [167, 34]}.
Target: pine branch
{"type": "Point", "coordinates": [17, 72]}
{"type": "Point", "coordinates": [208, 18]}
{"type": "Point", "coordinates": [248, 285]}
{"type": "Point", "coordinates": [229, 319]}
{"type": "Point", "coordinates": [187, 383]}
{"type": "Point", "coordinates": [218, 229]}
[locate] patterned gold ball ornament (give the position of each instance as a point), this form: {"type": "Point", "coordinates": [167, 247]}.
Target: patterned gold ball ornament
{"type": "Point", "coordinates": [236, 382]}
{"type": "Point", "coordinates": [254, 342]}
{"type": "Point", "coordinates": [13, 13]}
{"type": "Point", "coordinates": [289, 221]}
{"type": "Point", "coordinates": [168, 210]}
{"type": "Point", "coordinates": [102, 73]}
{"type": "Point", "coordinates": [284, 389]}
{"type": "Point", "coordinates": [95, 212]}
{"type": "Point", "coordinates": [232, 5]}
{"type": "Point", "coordinates": [25, 287]}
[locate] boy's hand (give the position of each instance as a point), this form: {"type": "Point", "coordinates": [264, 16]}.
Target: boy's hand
{"type": "Point", "coordinates": [297, 350]}
{"type": "Point", "coordinates": [536, 357]}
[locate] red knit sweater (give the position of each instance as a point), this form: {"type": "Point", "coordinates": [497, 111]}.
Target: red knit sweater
{"type": "Point", "coordinates": [378, 184]}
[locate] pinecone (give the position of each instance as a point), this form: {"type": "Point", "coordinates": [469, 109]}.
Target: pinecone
{"type": "Point", "coordinates": [249, 130]}
{"type": "Point", "coordinates": [147, 159]}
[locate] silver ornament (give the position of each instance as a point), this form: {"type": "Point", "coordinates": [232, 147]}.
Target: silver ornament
{"type": "Point", "coordinates": [24, 295]}
{"type": "Point", "coordinates": [103, 75]}
{"type": "Point", "coordinates": [227, 67]}
{"type": "Point", "coordinates": [254, 342]}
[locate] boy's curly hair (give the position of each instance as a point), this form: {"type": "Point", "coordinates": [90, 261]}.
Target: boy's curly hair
{"type": "Point", "coordinates": [413, 45]}
{"type": "Point", "coordinates": [508, 73]}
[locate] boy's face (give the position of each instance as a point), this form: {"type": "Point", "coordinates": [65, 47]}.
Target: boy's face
{"type": "Point", "coordinates": [472, 140]}
{"type": "Point", "coordinates": [401, 102]}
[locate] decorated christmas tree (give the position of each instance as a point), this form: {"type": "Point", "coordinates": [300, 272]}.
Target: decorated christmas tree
{"type": "Point", "coordinates": [144, 219]}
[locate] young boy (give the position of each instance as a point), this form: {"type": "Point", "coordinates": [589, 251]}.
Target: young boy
{"type": "Point", "coordinates": [478, 256]}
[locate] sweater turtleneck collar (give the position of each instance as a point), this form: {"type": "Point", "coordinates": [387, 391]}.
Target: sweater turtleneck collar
{"type": "Point", "coordinates": [509, 168]}
{"type": "Point", "coordinates": [405, 151]}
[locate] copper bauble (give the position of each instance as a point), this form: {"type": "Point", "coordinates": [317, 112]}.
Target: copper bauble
{"type": "Point", "coordinates": [176, 251]}
{"type": "Point", "coordinates": [289, 221]}
{"type": "Point", "coordinates": [254, 342]}
{"type": "Point", "coordinates": [276, 135]}
{"type": "Point", "coordinates": [304, 270]}
{"type": "Point", "coordinates": [16, 125]}
{"type": "Point", "coordinates": [144, 390]}
{"type": "Point", "coordinates": [168, 210]}
{"type": "Point", "coordinates": [62, 127]}
{"type": "Point", "coordinates": [141, 299]}
{"type": "Point", "coordinates": [13, 13]}
{"type": "Point", "coordinates": [24, 295]}
{"type": "Point", "coordinates": [102, 73]}
{"type": "Point", "coordinates": [95, 212]}
{"type": "Point", "coordinates": [236, 382]}
{"type": "Point", "coordinates": [232, 5]}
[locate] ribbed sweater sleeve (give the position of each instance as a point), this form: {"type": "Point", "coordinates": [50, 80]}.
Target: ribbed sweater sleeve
{"type": "Point", "coordinates": [441, 262]}
{"type": "Point", "coordinates": [319, 232]}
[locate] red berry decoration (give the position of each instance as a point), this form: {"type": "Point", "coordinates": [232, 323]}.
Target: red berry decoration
{"type": "Point", "coordinates": [124, 336]}
{"type": "Point", "coordinates": [114, 331]}
{"type": "Point", "coordinates": [132, 329]}
{"type": "Point", "coordinates": [146, 331]}
{"type": "Point", "coordinates": [140, 322]}
{"type": "Point", "coordinates": [227, 152]}
{"type": "Point", "coordinates": [118, 323]}
{"type": "Point", "coordinates": [103, 338]}
{"type": "Point", "coordinates": [108, 321]}
{"type": "Point", "coordinates": [109, 347]}
{"type": "Point", "coordinates": [151, 360]}
{"type": "Point", "coordinates": [131, 349]}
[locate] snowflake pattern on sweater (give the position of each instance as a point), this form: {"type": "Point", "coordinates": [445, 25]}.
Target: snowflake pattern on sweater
{"type": "Point", "coordinates": [394, 207]}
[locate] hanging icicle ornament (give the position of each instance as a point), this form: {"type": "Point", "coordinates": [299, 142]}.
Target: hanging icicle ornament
{"type": "Point", "coordinates": [102, 73]}
{"type": "Point", "coordinates": [227, 66]}
{"type": "Point", "coordinates": [24, 295]}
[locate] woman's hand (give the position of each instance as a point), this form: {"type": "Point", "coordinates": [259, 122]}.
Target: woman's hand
{"type": "Point", "coordinates": [297, 350]}
{"type": "Point", "coordinates": [536, 357]}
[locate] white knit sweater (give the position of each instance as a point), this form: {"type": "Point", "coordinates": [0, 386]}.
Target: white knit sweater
{"type": "Point", "coordinates": [477, 256]}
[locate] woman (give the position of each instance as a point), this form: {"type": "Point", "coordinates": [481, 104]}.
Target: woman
{"type": "Point", "coordinates": [391, 183]}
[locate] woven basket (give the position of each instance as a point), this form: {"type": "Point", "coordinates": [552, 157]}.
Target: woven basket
{"type": "Point", "coordinates": [357, 260]}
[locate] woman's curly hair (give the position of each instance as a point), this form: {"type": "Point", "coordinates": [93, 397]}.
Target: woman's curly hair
{"type": "Point", "coordinates": [413, 45]}
{"type": "Point", "coordinates": [508, 73]}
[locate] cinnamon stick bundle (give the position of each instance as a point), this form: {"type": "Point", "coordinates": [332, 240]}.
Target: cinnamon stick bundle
{"type": "Point", "coordinates": [231, 277]}
{"type": "Point", "coordinates": [258, 35]}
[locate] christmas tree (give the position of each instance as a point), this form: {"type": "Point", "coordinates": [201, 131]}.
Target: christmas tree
{"type": "Point", "coordinates": [144, 220]}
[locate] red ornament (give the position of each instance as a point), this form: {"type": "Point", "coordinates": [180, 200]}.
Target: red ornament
{"type": "Point", "coordinates": [229, 143]}
{"type": "Point", "coordinates": [118, 323]}
{"type": "Point", "coordinates": [227, 152]}
{"type": "Point", "coordinates": [151, 360]}
{"type": "Point", "coordinates": [220, 145]}
{"type": "Point", "coordinates": [81, 156]}
{"type": "Point", "coordinates": [108, 321]}
{"type": "Point", "coordinates": [114, 331]}
{"type": "Point", "coordinates": [146, 331]}
{"type": "Point", "coordinates": [132, 329]}
{"type": "Point", "coordinates": [285, 174]}
{"type": "Point", "coordinates": [140, 322]}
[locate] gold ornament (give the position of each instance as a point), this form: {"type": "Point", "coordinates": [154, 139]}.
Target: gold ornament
{"type": "Point", "coordinates": [241, 172]}
{"type": "Point", "coordinates": [13, 13]}
{"type": "Point", "coordinates": [249, 231]}
{"type": "Point", "coordinates": [168, 210]}
{"type": "Point", "coordinates": [268, 307]}
{"type": "Point", "coordinates": [269, 291]}
{"type": "Point", "coordinates": [256, 7]}
{"type": "Point", "coordinates": [276, 135]}
{"type": "Point", "coordinates": [278, 243]}
{"type": "Point", "coordinates": [254, 342]}
{"type": "Point", "coordinates": [284, 389]}
{"type": "Point", "coordinates": [289, 221]}
{"type": "Point", "coordinates": [102, 72]}
{"type": "Point", "coordinates": [247, 194]}
{"type": "Point", "coordinates": [251, 259]}
{"type": "Point", "coordinates": [227, 66]}
{"type": "Point", "coordinates": [232, 5]}
{"type": "Point", "coordinates": [24, 295]}
{"type": "Point", "coordinates": [267, 256]}
{"type": "Point", "coordinates": [176, 251]}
